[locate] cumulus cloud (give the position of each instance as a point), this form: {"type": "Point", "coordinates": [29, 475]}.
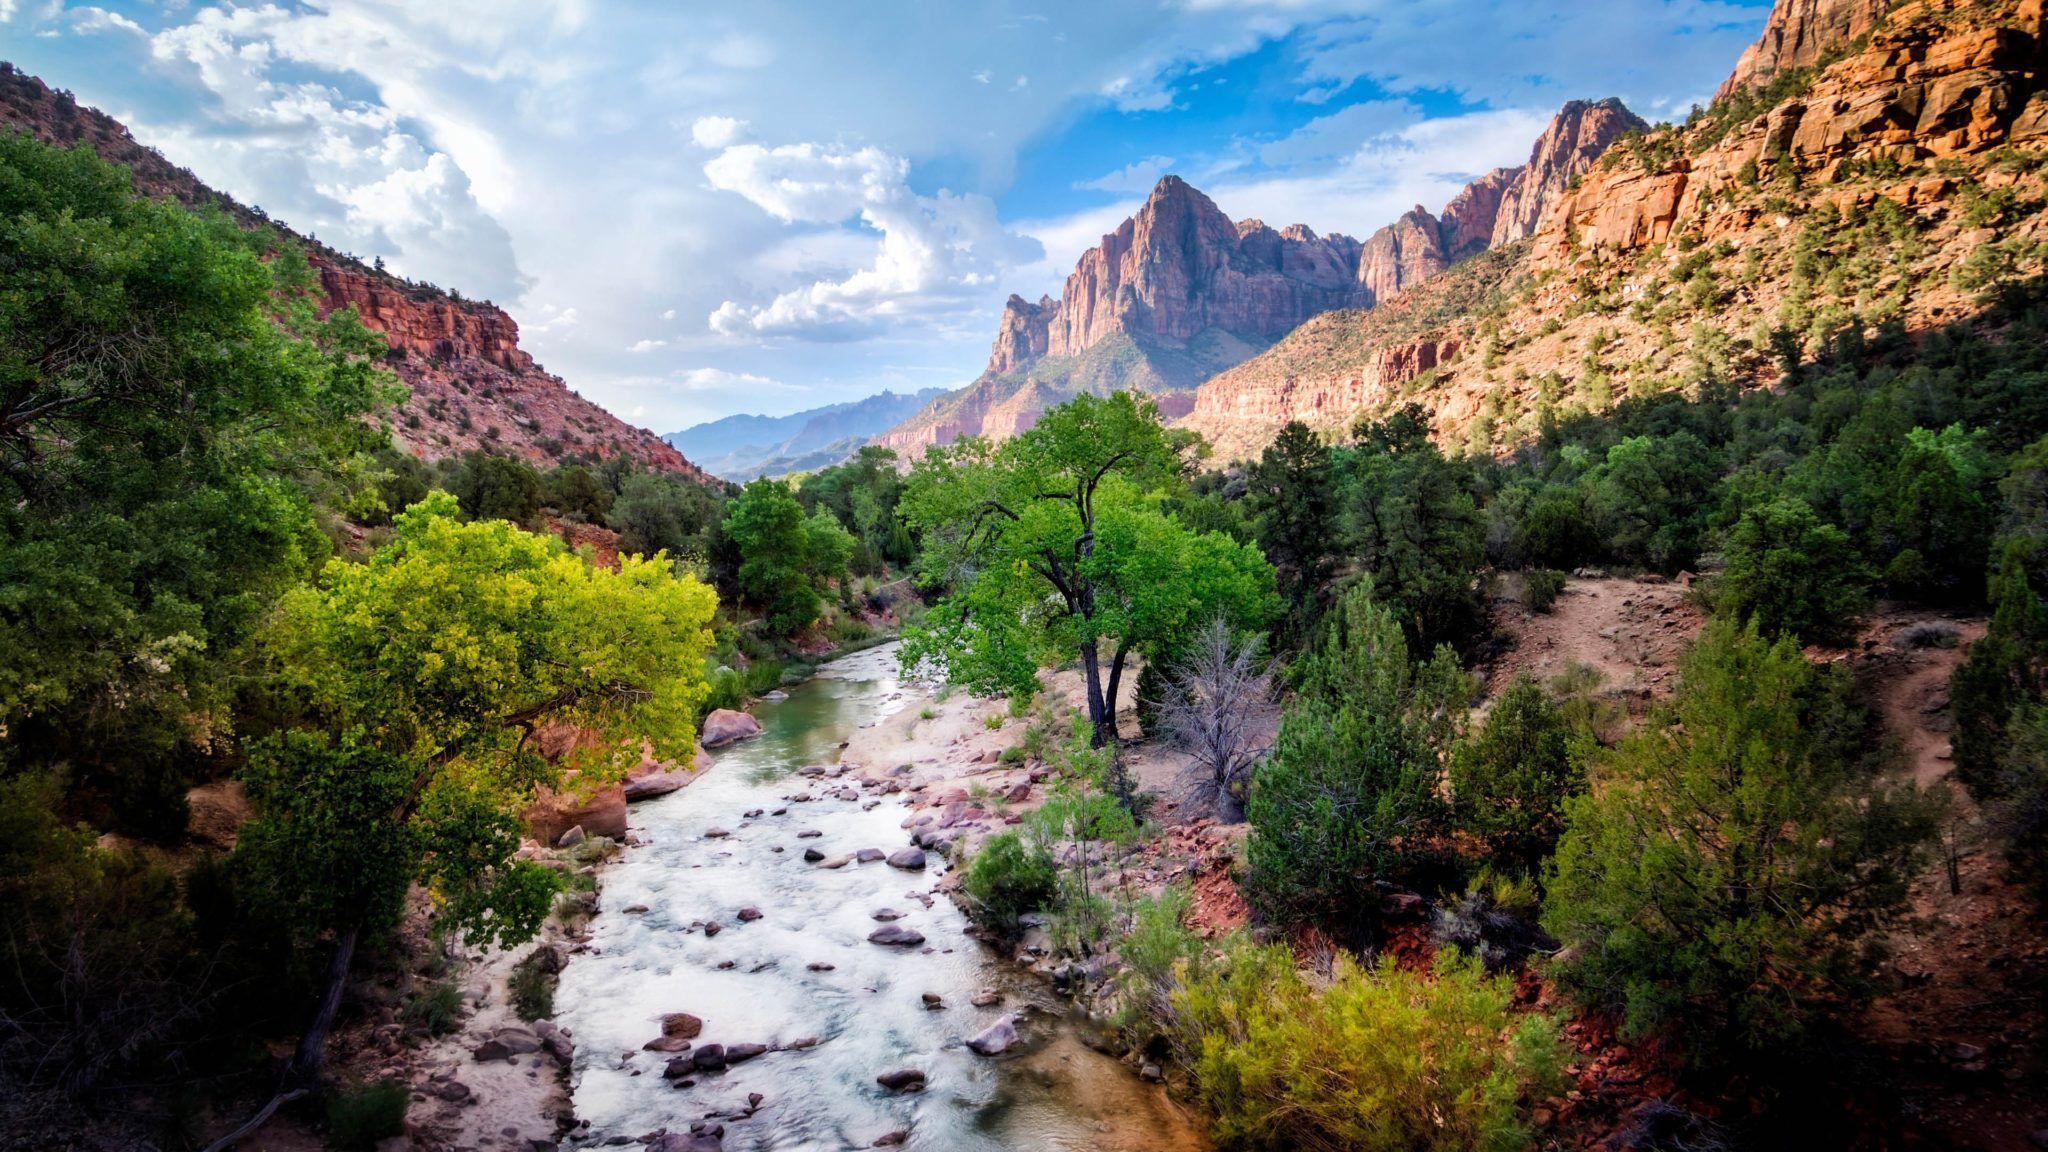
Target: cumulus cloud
{"type": "Point", "coordinates": [931, 254]}
{"type": "Point", "coordinates": [717, 131]}
{"type": "Point", "coordinates": [647, 345]}
{"type": "Point", "coordinates": [1137, 176]}
{"type": "Point", "coordinates": [345, 168]}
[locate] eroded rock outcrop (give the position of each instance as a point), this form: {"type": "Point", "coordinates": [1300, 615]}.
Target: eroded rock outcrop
{"type": "Point", "coordinates": [1799, 34]}
{"type": "Point", "coordinates": [1575, 138]}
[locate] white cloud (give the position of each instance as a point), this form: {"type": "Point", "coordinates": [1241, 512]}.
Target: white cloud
{"type": "Point", "coordinates": [1137, 176]}
{"type": "Point", "coordinates": [668, 314]}
{"type": "Point", "coordinates": [715, 379]}
{"type": "Point", "coordinates": [647, 345]}
{"type": "Point", "coordinates": [717, 131]}
{"type": "Point", "coordinates": [90, 21]}
{"type": "Point", "coordinates": [933, 254]}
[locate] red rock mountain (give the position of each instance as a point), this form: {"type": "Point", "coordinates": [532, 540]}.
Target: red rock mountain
{"type": "Point", "coordinates": [472, 386]}
{"type": "Point", "coordinates": [1180, 292]}
{"type": "Point", "coordinates": [1676, 248]}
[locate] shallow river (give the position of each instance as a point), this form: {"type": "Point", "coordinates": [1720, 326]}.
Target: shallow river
{"type": "Point", "coordinates": [754, 982]}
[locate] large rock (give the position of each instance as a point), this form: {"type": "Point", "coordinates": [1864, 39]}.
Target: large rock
{"type": "Point", "coordinates": [1798, 34]}
{"type": "Point", "coordinates": [1575, 138]}
{"type": "Point", "coordinates": [902, 1080]}
{"type": "Point", "coordinates": [996, 1039]}
{"type": "Point", "coordinates": [725, 726]}
{"type": "Point", "coordinates": [908, 859]}
{"type": "Point", "coordinates": [555, 812]}
{"type": "Point", "coordinates": [682, 1026]}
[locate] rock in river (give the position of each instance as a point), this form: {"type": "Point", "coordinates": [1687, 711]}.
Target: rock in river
{"type": "Point", "coordinates": [996, 1039]}
{"type": "Point", "coordinates": [896, 935]}
{"type": "Point", "coordinates": [910, 859]}
{"type": "Point", "coordinates": [902, 1080]}
{"type": "Point", "coordinates": [725, 726]}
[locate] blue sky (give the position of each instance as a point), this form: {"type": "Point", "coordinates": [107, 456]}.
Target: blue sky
{"type": "Point", "coordinates": [699, 209]}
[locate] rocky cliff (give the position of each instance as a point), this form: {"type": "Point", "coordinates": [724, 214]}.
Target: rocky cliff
{"type": "Point", "coordinates": [472, 385]}
{"type": "Point", "coordinates": [1180, 292]}
{"type": "Point", "coordinates": [1896, 177]}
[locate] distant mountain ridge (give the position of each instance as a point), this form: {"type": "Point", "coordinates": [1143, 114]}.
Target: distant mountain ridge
{"type": "Point", "coordinates": [742, 447]}
{"type": "Point", "coordinates": [1180, 293]}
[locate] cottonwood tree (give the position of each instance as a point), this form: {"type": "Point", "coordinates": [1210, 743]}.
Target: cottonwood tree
{"type": "Point", "coordinates": [1053, 545]}
{"type": "Point", "coordinates": [1219, 706]}
{"type": "Point", "coordinates": [418, 680]}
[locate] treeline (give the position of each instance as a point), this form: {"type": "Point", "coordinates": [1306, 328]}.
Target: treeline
{"type": "Point", "coordinates": [1717, 876]}
{"type": "Point", "coordinates": [216, 572]}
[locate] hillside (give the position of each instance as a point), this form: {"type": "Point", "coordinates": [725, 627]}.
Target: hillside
{"type": "Point", "coordinates": [1180, 292]}
{"type": "Point", "coordinates": [473, 387]}
{"type": "Point", "coordinates": [1886, 182]}
{"type": "Point", "coordinates": [741, 447]}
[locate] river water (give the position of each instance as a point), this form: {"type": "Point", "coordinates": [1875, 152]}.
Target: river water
{"type": "Point", "coordinates": [766, 982]}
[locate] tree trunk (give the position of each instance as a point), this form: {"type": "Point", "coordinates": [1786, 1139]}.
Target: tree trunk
{"type": "Point", "coordinates": [1099, 717]}
{"type": "Point", "coordinates": [1116, 680]}
{"type": "Point", "coordinates": [313, 1048]}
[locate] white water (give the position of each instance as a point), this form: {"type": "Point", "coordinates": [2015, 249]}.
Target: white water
{"type": "Point", "coordinates": [867, 1012]}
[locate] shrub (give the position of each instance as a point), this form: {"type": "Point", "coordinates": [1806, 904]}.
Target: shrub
{"type": "Point", "coordinates": [358, 1116]}
{"type": "Point", "coordinates": [1381, 1060]}
{"type": "Point", "coordinates": [532, 988]}
{"type": "Point", "coordinates": [1722, 877]}
{"type": "Point", "coordinates": [1792, 573]}
{"type": "Point", "coordinates": [1348, 796]}
{"type": "Point", "coordinates": [437, 1008]}
{"type": "Point", "coordinates": [1510, 780]}
{"type": "Point", "coordinates": [1007, 879]}
{"type": "Point", "coordinates": [1543, 586]}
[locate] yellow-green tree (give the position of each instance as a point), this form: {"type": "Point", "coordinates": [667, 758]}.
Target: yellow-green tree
{"type": "Point", "coordinates": [416, 681]}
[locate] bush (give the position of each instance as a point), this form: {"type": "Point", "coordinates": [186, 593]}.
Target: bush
{"type": "Point", "coordinates": [1722, 877]}
{"type": "Point", "coordinates": [1544, 586]}
{"type": "Point", "coordinates": [437, 1009]}
{"type": "Point", "coordinates": [1510, 780]}
{"type": "Point", "coordinates": [1792, 573]}
{"type": "Point", "coordinates": [1381, 1060]}
{"type": "Point", "coordinates": [360, 1115]}
{"type": "Point", "coordinates": [1348, 796]}
{"type": "Point", "coordinates": [532, 988]}
{"type": "Point", "coordinates": [1007, 879]}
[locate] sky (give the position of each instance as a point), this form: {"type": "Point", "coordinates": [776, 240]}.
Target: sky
{"type": "Point", "coordinates": [694, 209]}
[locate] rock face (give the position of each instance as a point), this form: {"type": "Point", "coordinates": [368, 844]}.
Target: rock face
{"type": "Point", "coordinates": [1180, 293]}
{"type": "Point", "coordinates": [472, 386]}
{"type": "Point", "coordinates": [1575, 138]}
{"type": "Point", "coordinates": [1799, 34]}
{"type": "Point", "coordinates": [552, 813]}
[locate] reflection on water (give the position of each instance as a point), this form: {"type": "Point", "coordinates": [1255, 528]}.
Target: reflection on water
{"type": "Point", "coordinates": [806, 970]}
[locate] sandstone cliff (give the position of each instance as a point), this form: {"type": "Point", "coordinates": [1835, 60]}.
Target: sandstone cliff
{"type": "Point", "coordinates": [1576, 137]}
{"type": "Point", "coordinates": [1895, 184]}
{"type": "Point", "coordinates": [472, 386]}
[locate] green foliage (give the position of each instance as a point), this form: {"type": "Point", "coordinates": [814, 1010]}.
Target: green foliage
{"type": "Point", "coordinates": [786, 558]}
{"type": "Point", "coordinates": [578, 493]}
{"type": "Point", "coordinates": [1414, 522]}
{"type": "Point", "coordinates": [419, 678]}
{"type": "Point", "coordinates": [1007, 878]}
{"type": "Point", "coordinates": [1349, 794]}
{"type": "Point", "coordinates": [358, 1116]}
{"type": "Point", "coordinates": [654, 513]}
{"type": "Point", "coordinates": [1733, 859]}
{"type": "Point", "coordinates": [863, 494]}
{"type": "Point", "coordinates": [496, 488]}
{"type": "Point", "coordinates": [1290, 497]}
{"type": "Point", "coordinates": [2006, 670]}
{"type": "Point", "coordinates": [174, 405]}
{"type": "Point", "coordinates": [1542, 588]}
{"type": "Point", "coordinates": [1077, 828]}
{"type": "Point", "coordinates": [435, 1009]}
{"type": "Point", "coordinates": [532, 988]}
{"type": "Point", "coordinates": [1792, 573]}
{"type": "Point", "coordinates": [1510, 779]}
{"type": "Point", "coordinates": [1382, 1059]}
{"type": "Point", "coordinates": [1055, 544]}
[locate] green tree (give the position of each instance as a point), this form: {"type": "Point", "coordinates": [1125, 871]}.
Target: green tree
{"type": "Point", "coordinates": [1648, 498]}
{"type": "Point", "coordinates": [171, 406]}
{"type": "Point", "coordinates": [496, 488]}
{"type": "Point", "coordinates": [574, 490]}
{"type": "Point", "coordinates": [1414, 522]}
{"type": "Point", "coordinates": [1510, 779]}
{"type": "Point", "coordinates": [1054, 544]}
{"type": "Point", "coordinates": [659, 513]}
{"type": "Point", "coordinates": [767, 527]}
{"type": "Point", "coordinates": [1349, 795]}
{"type": "Point", "coordinates": [1792, 573]}
{"type": "Point", "coordinates": [1723, 876]}
{"type": "Point", "coordinates": [1292, 503]}
{"type": "Point", "coordinates": [419, 678]}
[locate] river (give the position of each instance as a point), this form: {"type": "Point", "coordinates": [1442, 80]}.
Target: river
{"type": "Point", "coordinates": [805, 969]}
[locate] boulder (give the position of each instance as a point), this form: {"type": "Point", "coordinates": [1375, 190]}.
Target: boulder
{"type": "Point", "coordinates": [725, 726]}
{"type": "Point", "coordinates": [681, 1026]}
{"type": "Point", "coordinates": [740, 1053]}
{"type": "Point", "coordinates": [571, 838]}
{"type": "Point", "coordinates": [896, 936]}
{"type": "Point", "coordinates": [749, 914]}
{"type": "Point", "coordinates": [987, 998]}
{"type": "Point", "coordinates": [868, 855]}
{"type": "Point", "coordinates": [996, 1039]}
{"type": "Point", "coordinates": [813, 855]}
{"type": "Point", "coordinates": [888, 915]}
{"type": "Point", "coordinates": [552, 813]}
{"type": "Point", "coordinates": [491, 1050]}
{"type": "Point", "coordinates": [649, 785]}
{"type": "Point", "coordinates": [908, 859]}
{"type": "Point", "coordinates": [713, 928]}
{"type": "Point", "coordinates": [709, 1058]}
{"type": "Point", "coordinates": [902, 1080]}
